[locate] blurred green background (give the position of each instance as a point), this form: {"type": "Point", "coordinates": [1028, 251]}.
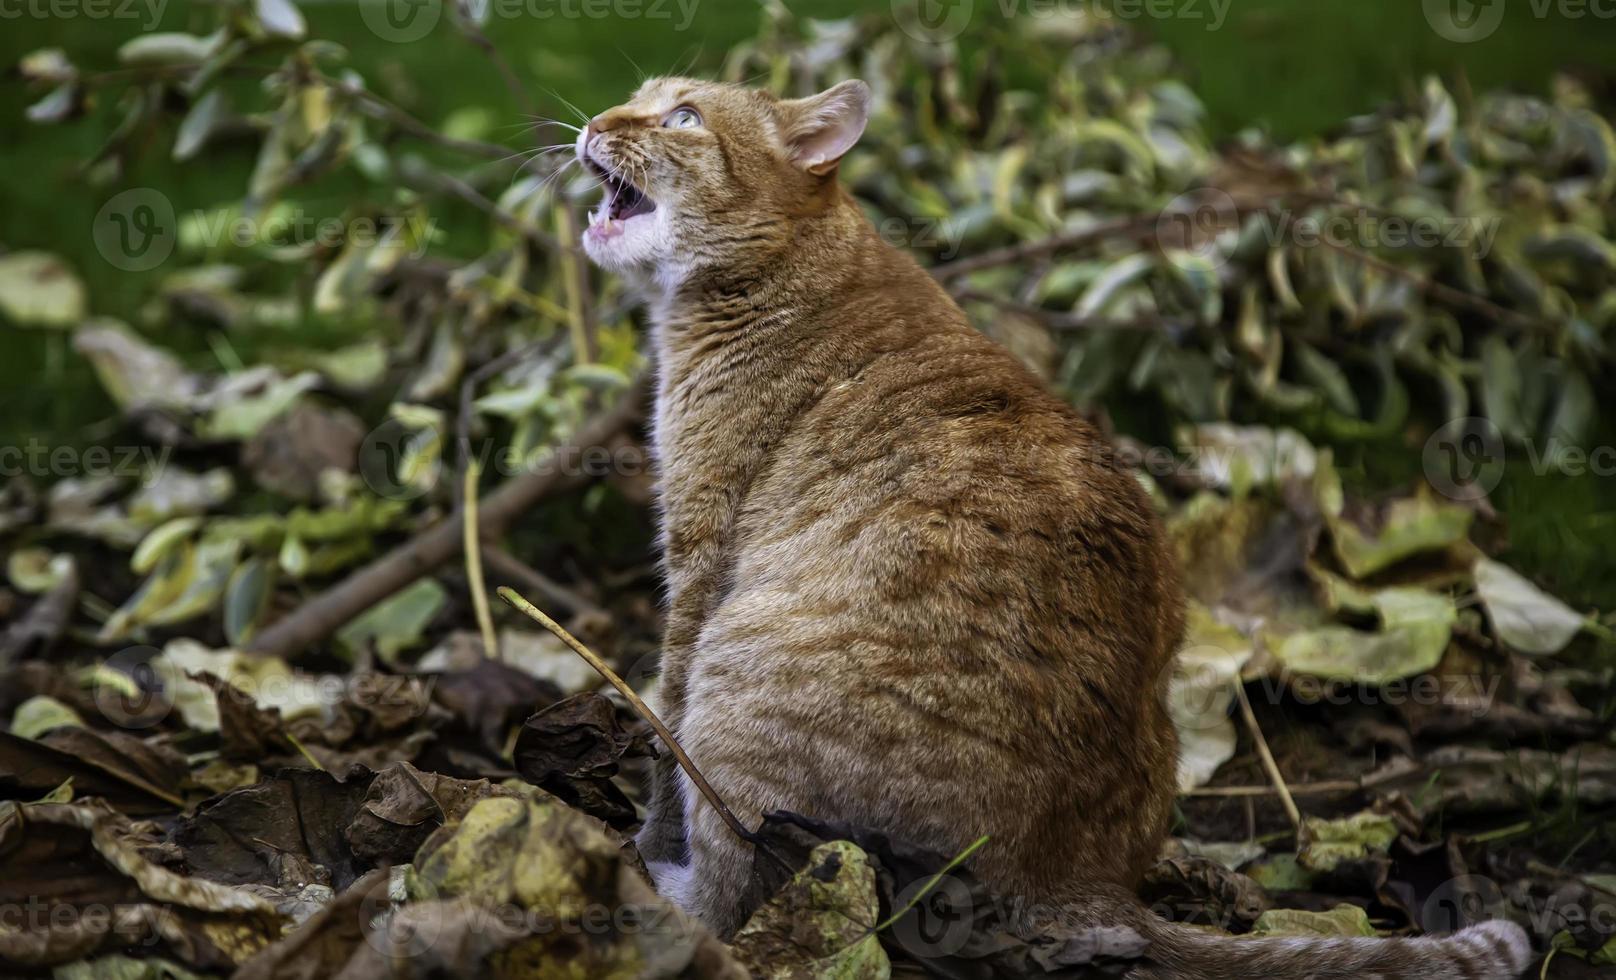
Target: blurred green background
{"type": "Point", "coordinates": [1292, 67]}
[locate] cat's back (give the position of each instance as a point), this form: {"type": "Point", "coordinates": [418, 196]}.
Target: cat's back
{"type": "Point", "coordinates": [932, 467]}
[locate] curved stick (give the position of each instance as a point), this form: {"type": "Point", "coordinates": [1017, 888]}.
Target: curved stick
{"type": "Point", "coordinates": [512, 597]}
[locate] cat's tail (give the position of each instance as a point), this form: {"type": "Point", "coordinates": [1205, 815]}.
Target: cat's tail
{"type": "Point", "coordinates": [1497, 950]}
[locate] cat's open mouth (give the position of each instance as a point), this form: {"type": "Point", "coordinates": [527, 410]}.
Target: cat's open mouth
{"type": "Point", "coordinates": [621, 202]}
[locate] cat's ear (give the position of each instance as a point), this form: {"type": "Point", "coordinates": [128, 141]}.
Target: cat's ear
{"type": "Point", "coordinates": [819, 129]}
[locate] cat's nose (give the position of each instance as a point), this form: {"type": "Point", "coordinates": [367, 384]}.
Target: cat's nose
{"type": "Point", "coordinates": [606, 122]}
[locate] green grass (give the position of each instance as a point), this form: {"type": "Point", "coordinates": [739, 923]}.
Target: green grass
{"type": "Point", "coordinates": [1300, 66]}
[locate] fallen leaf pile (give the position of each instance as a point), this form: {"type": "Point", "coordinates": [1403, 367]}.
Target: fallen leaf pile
{"type": "Point", "coordinates": [257, 724]}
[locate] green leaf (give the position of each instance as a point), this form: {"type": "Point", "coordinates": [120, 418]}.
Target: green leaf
{"type": "Point", "coordinates": [200, 123]}
{"type": "Point", "coordinates": [62, 103]}
{"type": "Point", "coordinates": [241, 417]}
{"type": "Point", "coordinates": [246, 599]}
{"type": "Point", "coordinates": [1524, 616]}
{"type": "Point", "coordinates": [134, 373]}
{"type": "Point", "coordinates": [47, 65]}
{"type": "Point", "coordinates": [169, 49]}
{"type": "Point", "coordinates": [36, 571]}
{"type": "Point", "coordinates": [397, 623]}
{"type": "Point", "coordinates": [1415, 629]}
{"type": "Point", "coordinates": [1330, 842]}
{"type": "Point", "coordinates": [281, 18]}
{"type": "Point", "coordinates": [160, 541]}
{"type": "Point", "coordinates": [1108, 286]}
{"type": "Point", "coordinates": [1200, 693]}
{"type": "Point", "coordinates": [39, 714]}
{"type": "Point", "coordinates": [1408, 527]}
{"type": "Point", "coordinates": [39, 290]}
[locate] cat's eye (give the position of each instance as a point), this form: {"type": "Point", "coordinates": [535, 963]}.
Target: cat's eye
{"type": "Point", "coordinates": [683, 117]}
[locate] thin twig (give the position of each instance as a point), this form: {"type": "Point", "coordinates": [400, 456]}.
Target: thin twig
{"type": "Point", "coordinates": [575, 286]}
{"type": "Point", "coordinates": [1133, 226]}
{"type": "Point", "coordinates": [379, 108]}
{"type": "Point", "coordinates": [472, 546]}
{"type": "Point", "coordinates": [1325, 788]}
{"type": "Point", "coordinates": [1269, 764]}
{"type": "Point", "coordinates": [1436, 290]}
{"type": "Point", "coordinates": [438, 181]}
{"type": "Point", "coordinates": [932, 882]}
{"type": "Point", "coordinates": [1055, 319]}
{"type": "Point", "coordinates": [474, 33]}
{"type": "Point", "coordinates": [640, 707]}
{"type": "Point", "coordinates": [503, 563]}
{"type": "Point", "coordinates": [303, 751]}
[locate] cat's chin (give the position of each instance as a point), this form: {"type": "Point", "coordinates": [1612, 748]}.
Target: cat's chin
{"type": "Point", "coordinates": [625, 243]}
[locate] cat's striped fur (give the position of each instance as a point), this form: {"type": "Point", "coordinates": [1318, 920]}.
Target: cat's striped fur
{"type": "Point", "coordinates": [909, 588]}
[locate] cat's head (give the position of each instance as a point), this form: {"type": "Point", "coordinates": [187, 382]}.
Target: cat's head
{"type": "Point", "coordinates": [704, 174]}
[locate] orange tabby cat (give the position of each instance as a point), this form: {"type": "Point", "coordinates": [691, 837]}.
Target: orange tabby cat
{"type": "Point", "coordinates": [909, 589]}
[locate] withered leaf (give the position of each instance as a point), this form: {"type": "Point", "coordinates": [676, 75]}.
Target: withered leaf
{"type": "Point", "coordinates": [1202, 891]}
{"type": "Point", "coordinates": [574, 747]}
{"type": "Point", "coordinates": [487, 700]}
{"type": "Point", "coordinates": [404, 805]}
{"type": "Point", "coordinates": [85, 878]}
{"type": "Point", "coordinates": [137, 777]}
{"type": "Point", "coordinates": [39, 628]}
{"type": "Point", "coordinates": [277, 831]}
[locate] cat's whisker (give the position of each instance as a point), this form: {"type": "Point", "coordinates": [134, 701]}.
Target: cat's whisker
{"type": "Point", "coordinates": [690, 62]}
{"type": "Point", "coordinates": [552, 183]}
{"type": "Point", "coordinates": [553, 177]}
{"type": "Point", "coordinates": [527, 158]}
{"type": "Point", "coordinates": [541, 121]}
{"type": "Point", "coordinates": [632, 64]}
{"type": "Point", "coordinates": [568, 103]}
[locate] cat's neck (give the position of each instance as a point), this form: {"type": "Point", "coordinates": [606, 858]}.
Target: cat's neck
{"type": "Point", "coordinates": [788, 287]}
{"type": "Point", "coordinates": [742, 349]}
